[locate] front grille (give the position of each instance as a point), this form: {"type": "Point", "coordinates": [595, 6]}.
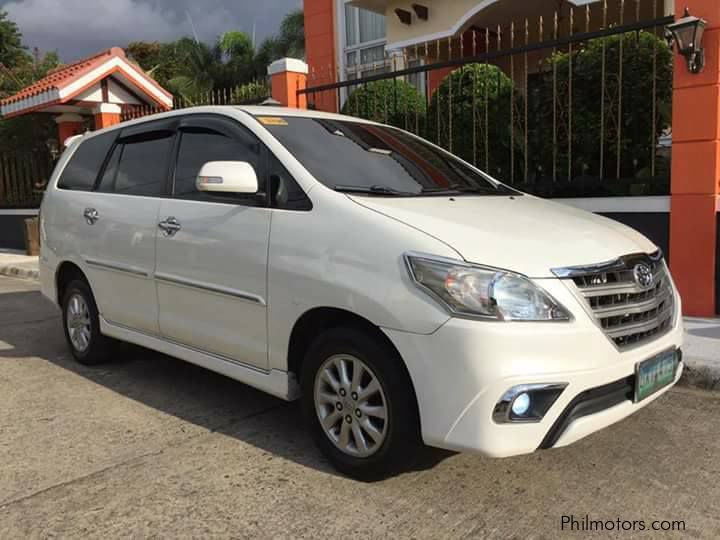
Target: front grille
{"type": "Point", "coordinates": [628, 313]}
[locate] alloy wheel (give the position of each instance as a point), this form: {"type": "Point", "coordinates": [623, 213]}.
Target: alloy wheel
{"type": "Point", "coordinates": [351, 405]}
{"type": "Point", "coordinates": [78, 322]}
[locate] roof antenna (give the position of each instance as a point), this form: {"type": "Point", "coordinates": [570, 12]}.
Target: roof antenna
{"type": "Point", "coordinates": [192, 25]}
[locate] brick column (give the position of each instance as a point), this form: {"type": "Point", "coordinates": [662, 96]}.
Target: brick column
{"type": "Point", "coordinates": [321, 49]}
{"type": "Point", "coordinates": [696, 169]}
{"type": "Point", "coordinates": [68, 125]}
{"type": "Point", "coordinates": [288, 76]}
{"type": "Point", "coordinates": [106, 115]}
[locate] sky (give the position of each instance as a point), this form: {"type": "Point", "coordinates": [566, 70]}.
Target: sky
{"type": "Point", "coordinates": [78, 28]}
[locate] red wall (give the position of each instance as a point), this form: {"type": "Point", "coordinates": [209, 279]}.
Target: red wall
{"type": "Point", "coordinates": [320, 51]}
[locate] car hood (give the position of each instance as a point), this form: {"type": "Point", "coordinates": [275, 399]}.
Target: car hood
{"type": "Point", "coordinates": [521, 233]}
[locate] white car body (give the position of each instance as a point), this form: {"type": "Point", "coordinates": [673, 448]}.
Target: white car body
{"type": "Point", "coordinates": [227, 291]}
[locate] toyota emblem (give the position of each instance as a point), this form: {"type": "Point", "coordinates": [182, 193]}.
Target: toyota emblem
{"type": "Point", "coordinates": [643, 275]}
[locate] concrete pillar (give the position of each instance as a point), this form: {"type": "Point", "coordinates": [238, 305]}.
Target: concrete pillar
{"type": "Point", "coordinates": [106, 115]}
{"type": "Point", "coordinates": [68, 125]}
{"type": "Point", "coordinates": [696, 169]}
{"type": "Point", "coordinates": [288, 76]}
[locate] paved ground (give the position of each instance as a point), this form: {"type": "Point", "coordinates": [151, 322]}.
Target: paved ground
{"type": "Point", "coordinates": [153, 446]}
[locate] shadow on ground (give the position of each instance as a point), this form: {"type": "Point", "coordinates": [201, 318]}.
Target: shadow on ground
{"type": "Point", "coordinates": [183, 390]}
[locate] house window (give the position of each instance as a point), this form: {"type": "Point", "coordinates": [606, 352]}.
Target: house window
{"type": "Point", "coordinates": [364, 47]}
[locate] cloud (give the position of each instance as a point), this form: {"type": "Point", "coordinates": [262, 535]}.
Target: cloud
{"type": "Point", "coordinates": [78, 28]}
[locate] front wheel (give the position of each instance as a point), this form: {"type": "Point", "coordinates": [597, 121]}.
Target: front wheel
{"type": "Point", "coordinates": [359, 403]}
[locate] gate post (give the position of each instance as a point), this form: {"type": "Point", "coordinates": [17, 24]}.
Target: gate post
{"type": "Point", "coordinates": [69, 124]}
{"type": "Point", "coordinates": [288, 76]}
{"type": "Point", "coordinates": [696, 169]}
{"type": "Point", "coordinates": [106, 115]}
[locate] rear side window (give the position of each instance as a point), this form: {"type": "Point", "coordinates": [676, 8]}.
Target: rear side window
{"type": "Point", "coordinates": [85, 164]}
{"type": "Point", "coordinates": [138, 165]}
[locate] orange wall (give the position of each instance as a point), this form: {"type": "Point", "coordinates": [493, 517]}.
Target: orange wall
{"type": "Point", "coordinates": [68, 129]}
{"type": "Point", "coordinates": [696, 169]}
{"type": "Point", "coordinates": [320, 51]}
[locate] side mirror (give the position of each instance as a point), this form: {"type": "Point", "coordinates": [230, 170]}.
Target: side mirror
{"type": "Point", "coordinates": [227, 177]}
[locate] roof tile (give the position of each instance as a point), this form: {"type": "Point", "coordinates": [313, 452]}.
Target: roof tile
{"type": "Point", "coordinates": [64, 75]}
{"type": "Point", "coordinates": [60, 77]}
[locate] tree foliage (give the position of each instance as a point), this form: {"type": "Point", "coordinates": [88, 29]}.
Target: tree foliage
{"type": "Point", "coordinates": [593, 125]}
{"type": "Point", "coordinates": [12, 50]}
{"type": "Point", "coordinates": [190, 69]}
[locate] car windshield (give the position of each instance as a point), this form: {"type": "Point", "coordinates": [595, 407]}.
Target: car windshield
{"type": "Point", "coordinates": [377, 160]}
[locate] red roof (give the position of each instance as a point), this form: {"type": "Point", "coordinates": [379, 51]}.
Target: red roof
{"type": "Point", "coordinates": [62, 76]}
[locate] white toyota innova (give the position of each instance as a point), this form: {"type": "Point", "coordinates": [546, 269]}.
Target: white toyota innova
{"type": "Point", "coordinates": [402, 294]}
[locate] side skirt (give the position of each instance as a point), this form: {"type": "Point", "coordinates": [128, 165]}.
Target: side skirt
{"type": "Point", "coordinates": [278, 383]}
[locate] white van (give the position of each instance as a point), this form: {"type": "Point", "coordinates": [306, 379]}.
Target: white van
{"type": "Point", "coordinates": [402, 294]}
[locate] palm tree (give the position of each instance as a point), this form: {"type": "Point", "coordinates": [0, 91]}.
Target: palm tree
{"type": "Point", "coordinates": [232, 60]}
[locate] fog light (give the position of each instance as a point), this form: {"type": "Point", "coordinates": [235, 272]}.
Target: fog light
{"type": "Point", "coordinates": [527, 402]}
{"type": "Point", "coordinates": [521, 404]}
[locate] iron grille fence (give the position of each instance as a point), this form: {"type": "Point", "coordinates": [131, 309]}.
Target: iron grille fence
{"type": "Point", "coordinates": [575, 104]}
{"type": "Point", "coordinates": [23, 177]}
{"type": "Point", "coordinates": [246, 94]}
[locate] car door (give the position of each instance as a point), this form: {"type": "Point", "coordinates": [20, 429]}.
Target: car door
{"type": "Point", "coordinates": [211, 269]}
{"type": "Point", "coordinates": [122, 220]}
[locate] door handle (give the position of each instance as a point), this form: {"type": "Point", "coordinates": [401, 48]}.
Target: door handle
{"type": "Point", "coordinates": [91, 216]}
{"type": "Point", "coordinates": [170, 226]}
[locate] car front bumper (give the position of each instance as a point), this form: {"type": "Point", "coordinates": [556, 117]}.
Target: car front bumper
{"type": "Point", "coordinates": [460, 371]}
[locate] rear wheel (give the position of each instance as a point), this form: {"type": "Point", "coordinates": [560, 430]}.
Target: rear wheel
{"type": "Point", "coordinates": [81, 324]}
{"type": "Point", "coordinates": [359, 403]}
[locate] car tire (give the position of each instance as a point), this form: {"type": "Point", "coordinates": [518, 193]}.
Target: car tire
{"type": "Point", "coordinates": [81, 324]}
{"type": "Point", "coordinates": [356, 439]}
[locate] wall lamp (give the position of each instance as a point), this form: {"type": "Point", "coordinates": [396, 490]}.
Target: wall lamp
{"type": "Point", "coordinates": [688, 33]}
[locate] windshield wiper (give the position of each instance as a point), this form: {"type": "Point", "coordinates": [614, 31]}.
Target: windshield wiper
{"type": "Point", "coordinates": [456, 188]}
{"type": "Point", "coordinates": [374, 190]}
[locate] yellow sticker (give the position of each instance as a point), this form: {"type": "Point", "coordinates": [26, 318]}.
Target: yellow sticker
{"type": "Point", "coordinates": [272, 121]}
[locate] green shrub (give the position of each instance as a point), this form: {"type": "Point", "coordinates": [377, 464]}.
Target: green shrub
{"type": "Point", "coordinates": [486, 92]}
{"type": "Point", "coordinates": [390, 101]}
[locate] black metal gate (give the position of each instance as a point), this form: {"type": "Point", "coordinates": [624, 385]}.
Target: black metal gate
{"type": "Point", "coordinates": [578, 105]}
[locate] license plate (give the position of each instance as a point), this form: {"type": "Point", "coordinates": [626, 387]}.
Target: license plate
{"type": "Point", "coordinates": [654, 374]}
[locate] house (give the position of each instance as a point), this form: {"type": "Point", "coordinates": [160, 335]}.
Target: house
{"type": "Point", "coordinates": [349, 39]}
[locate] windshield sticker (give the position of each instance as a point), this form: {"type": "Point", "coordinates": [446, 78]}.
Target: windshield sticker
{"type": "Point", "coordinates": [272, 121]}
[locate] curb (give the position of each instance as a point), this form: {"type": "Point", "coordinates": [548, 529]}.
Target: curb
{"type": "Point", "coordinates": [701, 377]}
{"type": "Point", "coordinates": [18, 272]}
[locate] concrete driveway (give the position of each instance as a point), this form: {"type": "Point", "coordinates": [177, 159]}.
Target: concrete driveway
{"type": "Point", "coordinates": [151, 446]}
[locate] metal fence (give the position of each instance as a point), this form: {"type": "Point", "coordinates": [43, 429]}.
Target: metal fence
{"type": "Point", "coordinates": [246, 94]}
{"type": "Point", "coordinates": [23, 177]}
{"type": "Point", "coordinates": [574, 104]}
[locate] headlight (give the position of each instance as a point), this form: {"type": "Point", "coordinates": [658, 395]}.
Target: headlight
{"type": "Point", "coordinates": [473, 291]}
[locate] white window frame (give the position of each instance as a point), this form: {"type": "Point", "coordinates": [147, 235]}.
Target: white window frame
{"type": "Point", "coordinates": [343, 49]}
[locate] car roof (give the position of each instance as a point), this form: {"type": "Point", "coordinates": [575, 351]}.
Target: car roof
{"type": "Point", "coordinates": [252, 110]}
{"type": "Point", "coordinates": [262, 110]}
